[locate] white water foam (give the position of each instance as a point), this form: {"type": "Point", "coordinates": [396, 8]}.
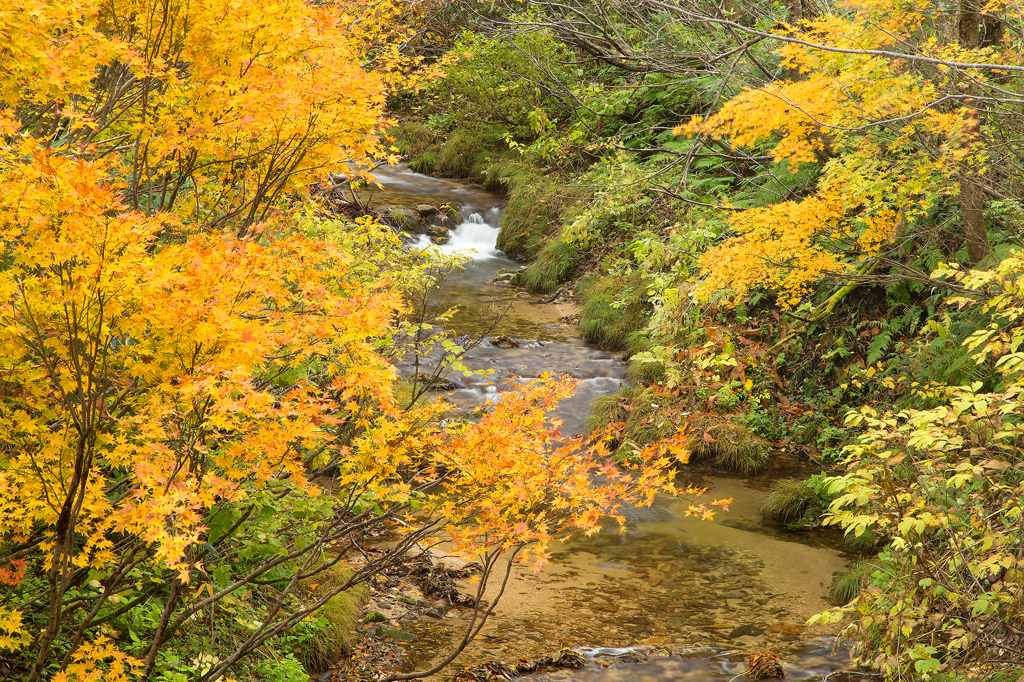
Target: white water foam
{"type": "Point", "coordinates": [477, 234]}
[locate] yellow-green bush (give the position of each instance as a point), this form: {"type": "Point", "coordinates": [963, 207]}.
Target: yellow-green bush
{"type": "Point", "coordinates": [945, 485]}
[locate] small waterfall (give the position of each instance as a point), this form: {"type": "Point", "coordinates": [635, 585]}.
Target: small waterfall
{"type": "Point", "coordinates": [476, 233]}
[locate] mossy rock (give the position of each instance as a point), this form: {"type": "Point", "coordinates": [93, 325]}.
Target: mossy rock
{"type": "Point", "coordinates": [333, 625]}
{"type": "Point", "coordinates": [398, 635]}
{"type": "Point", "coordinates": [645, 373]}
{"type": "Point", "coordinates": [448, 215]}
{"type": "Point", "coordinates": [402, 218]}
{"type": "Point", "coordinates": [432, 383]}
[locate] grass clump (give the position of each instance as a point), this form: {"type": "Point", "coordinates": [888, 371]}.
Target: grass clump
{"type": "Point", "coordinates": [792, 500]}
{"type": "Point", "coordinates": [645, 372]}
{"type": "Point", "coordinates": [728, 444]}
{"type": "Point", "coordinates": [612, 314]}
{"type": "Point", "coordinates": [846, 586]}
{"type": "Point", "coordinates": [556, 263]}
{"type": "Point", "coordinates": [458, 154]}
{"type": "Point", "coordinates": [413, 138]}
{"type": "Point", "coordinates": [468, 152]}
{"type": "Point", "coordinates": [788, 500]}
{"type": "Point", "coordinates": [646, 416]}
{"type": "Point", "coordinates": [425, 163]}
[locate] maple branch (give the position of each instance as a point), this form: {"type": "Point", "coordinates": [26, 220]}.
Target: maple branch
{"type": "Point", "coordinates": [840, 50]}
{"type": "Point", "coordinates": [127, 565]}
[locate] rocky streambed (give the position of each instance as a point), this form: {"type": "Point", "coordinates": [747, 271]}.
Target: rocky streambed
{"type": "Point", "coordinates": [670, 597]}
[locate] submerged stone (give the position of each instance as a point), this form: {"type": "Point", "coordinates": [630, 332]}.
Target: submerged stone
{"type": "Point", "coordinates": [745, 631]}
{"type": "Point", "coordinates": [399, 635]}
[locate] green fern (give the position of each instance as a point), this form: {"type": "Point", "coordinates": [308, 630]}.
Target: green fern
{"type": "Point", "coordinates": [878, 346]}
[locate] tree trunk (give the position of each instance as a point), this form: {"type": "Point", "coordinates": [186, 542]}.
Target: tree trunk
{"type": "Point", "coordinates": [799, 11]}
{"type": "Point", "coordinates": [972, 197]}
{"type": "Point", "coordinates": [972, 206]}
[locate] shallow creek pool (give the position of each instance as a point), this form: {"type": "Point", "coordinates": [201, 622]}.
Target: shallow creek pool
{"type": "Point", "coordinates": [714, 591]}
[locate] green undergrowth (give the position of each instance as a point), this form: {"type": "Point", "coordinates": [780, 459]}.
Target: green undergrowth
{"type": "Point", "coordinates": [534, 201]}
{"type": "Point", "coordinates": [315, 644]}
{"type": "Point", "coordinates": [985, 674]}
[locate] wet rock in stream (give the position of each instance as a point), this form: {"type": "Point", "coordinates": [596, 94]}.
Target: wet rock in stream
{"type": "Point", "coordinates": [678, 664]}
{"type": "Point", "coordinates": [494, 670]}
{"type": "Point", "coordinates": [502, 341]}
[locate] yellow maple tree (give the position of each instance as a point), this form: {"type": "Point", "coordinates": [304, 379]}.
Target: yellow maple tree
{"type": "Point", "coordinates": [887, 137]}
{"type": "Point", "coordinates": [181, 355]}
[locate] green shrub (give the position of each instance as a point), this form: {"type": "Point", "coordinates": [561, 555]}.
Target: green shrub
{"type": "Point", "coordinates": [1015, 673]}
{"type": "Point", "coordinates": [505, 80]}
{"type": "Point", "coordinates": [763, 418]}
{"type": "Point", "coordinates": [943, 483]}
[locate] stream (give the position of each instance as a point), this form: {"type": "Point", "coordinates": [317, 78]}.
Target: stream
{"type": "Point", "coordinates": [709, 592]}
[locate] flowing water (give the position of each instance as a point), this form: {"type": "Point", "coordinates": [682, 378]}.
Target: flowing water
{"type": "Point", "coordinates": [711, 591]}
